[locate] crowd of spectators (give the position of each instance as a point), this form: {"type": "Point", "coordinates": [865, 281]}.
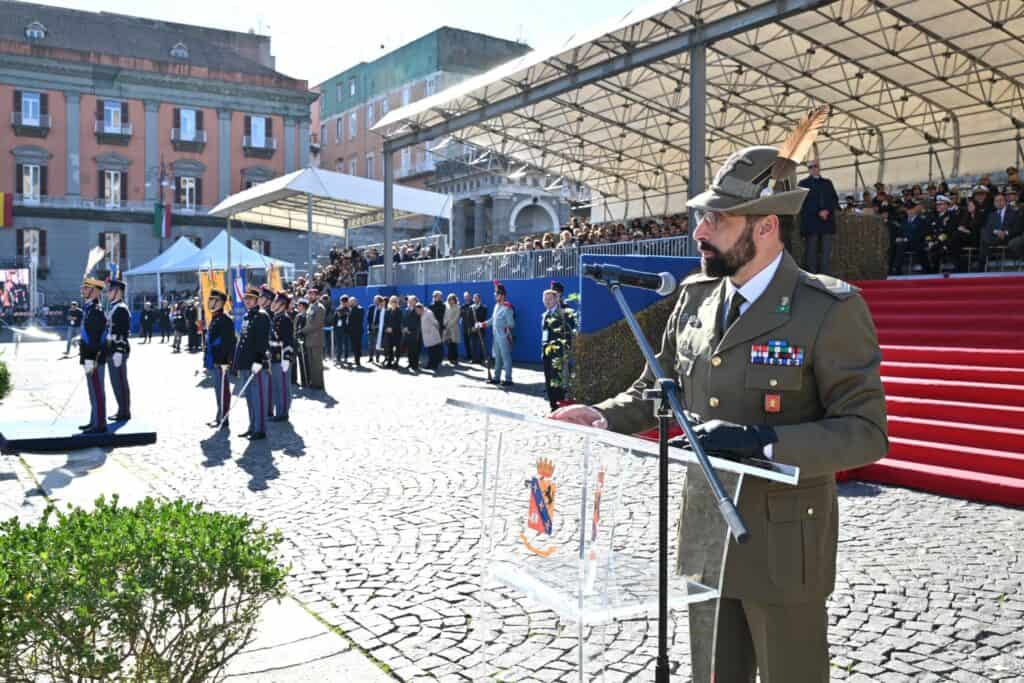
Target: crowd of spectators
{"type": "Point", "coordinates": [350, 267]}
{"type": "Point", "coordinates": [579, 232]}
{"type": "Point", "coordinates": [942, 227]}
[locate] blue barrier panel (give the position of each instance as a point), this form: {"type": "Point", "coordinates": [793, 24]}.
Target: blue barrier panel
{"type": "Point", "coordinates": [598, 308]}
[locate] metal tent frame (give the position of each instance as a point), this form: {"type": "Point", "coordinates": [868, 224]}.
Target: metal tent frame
{"type": "Point", "coordinates": [623, 108]}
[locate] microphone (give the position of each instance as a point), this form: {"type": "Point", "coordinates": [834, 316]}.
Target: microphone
{"type": "Point", "coordinates": [606, 274]}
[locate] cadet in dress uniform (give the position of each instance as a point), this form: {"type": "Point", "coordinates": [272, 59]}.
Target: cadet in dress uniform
{"type": "Point", "coordinates": [251, 360]}
{"type": "Point", "coordinates": [265, 302]}
{"type": "Point", "coordinates": [92, 354]}
{"type": "Point", "coordinates": [117, 363]}
{"type": "Point", "coordinates": [502, 322]}
{"type": "Point", "coordinates": [299, 324]}
{"type": "Point", "coordinates": [780, 364]}
{"type": "Point", "coordinates": [220, 351]}
{"type": "Point", "coordinates": [282, 350]}
{"type": "Point", "coordinates": [558, 326]}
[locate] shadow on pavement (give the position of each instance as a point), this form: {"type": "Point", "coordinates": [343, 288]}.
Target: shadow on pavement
{"type": "Point", "coordinates": [318, 395]}
{"type": "Point", "coordinates": [258, 463]}
{"type": "Point", "coordinates": [216, 448]}
{"type": "Point", "coordinates": [858, 489]}
{"type": "Point", "coordinates": [294, 445]}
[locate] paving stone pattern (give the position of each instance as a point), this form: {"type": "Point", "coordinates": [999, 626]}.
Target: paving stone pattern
{"type": "Point", "coordinates": [375, 486]}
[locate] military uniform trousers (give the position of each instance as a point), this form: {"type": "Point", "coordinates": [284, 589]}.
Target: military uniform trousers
{"type": "Point", "coordinates": [502, 357]}
{"type": "Point", "coordinates": [315, 367]}
{"type": "Point", "coordinates": [268, 399]}
{"type": "Point", "coordinates": [255, 399]}
{"type": "Point", "coordinates": [95, 381]}
{"type": "Point", "coordinates": [119, 383]}
{"type": "Point", "coordinates": [554, 377]}
{"type": "Point", "coordinates": [280, 390]}
{"type": "Point", "coordinates": [222, 390]}
{"type": "Point", "coordinates": [728, 637]}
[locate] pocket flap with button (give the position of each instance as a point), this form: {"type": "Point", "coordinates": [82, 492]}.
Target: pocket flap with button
{"type": "Point", "coordinates": [783, 507]}
{"type": "Point", "coordinates": [774, 377]}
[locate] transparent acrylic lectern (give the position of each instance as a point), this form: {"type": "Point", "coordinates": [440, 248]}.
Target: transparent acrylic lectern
{"type": "Point", "coordinates": [568, 524]}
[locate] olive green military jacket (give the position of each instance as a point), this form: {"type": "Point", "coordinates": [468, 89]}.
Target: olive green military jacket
{"type": "Point", "coordinates": [828, 412]}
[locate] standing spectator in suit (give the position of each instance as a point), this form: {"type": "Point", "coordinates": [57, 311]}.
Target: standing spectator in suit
{"type": "Point", "coordinates": [437, 308]}
{"type": "Point", "coordinates": [452, 314]}
{"type": "Point", "coordinates": [477, 338]}
{"type": "Point", "coordinates": [818, 219]}
{"type": "Point", "coordinates": [1003, 229]}
{"type": "Point", "coordinates": [164, 320]}
{"type": "Point", "coordinates": [342, 337]}
{"type": "Point", "coordinates": [411, 333]}
{"type": "Point", "coordinates": [392, 332]}
{"type": "Point", "coordinates": [356, 319]}
{"type": "Point", "coordinates": [314, 334]}
{"type": "Point", "coordinates": [431, 335]}
{"type": "Point", "coordinates": [147, 319]}
{"type": "Point", "coordinates": [467, 320]}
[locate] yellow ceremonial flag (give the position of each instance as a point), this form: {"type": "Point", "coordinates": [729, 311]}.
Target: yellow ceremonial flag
{"type": "Point", "coordinates": [208, 281]}
{"type": "Point", "coordinates": [274, 278]}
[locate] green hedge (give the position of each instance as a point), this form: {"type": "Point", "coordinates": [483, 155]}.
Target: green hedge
{"type": "Point", "coordinates": [155, 592]}
{"type": "Point", "coordinates": [5, 380]}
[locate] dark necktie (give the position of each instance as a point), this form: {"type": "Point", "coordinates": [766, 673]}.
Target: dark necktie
{"type": "Point", "coordinates": [734, 310]}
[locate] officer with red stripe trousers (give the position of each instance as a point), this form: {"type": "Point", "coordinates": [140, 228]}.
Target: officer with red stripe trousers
{"type": "Point", "coordinates": [117, 339]}
{"type": "Point", "coordinates": [220, 349]}
{"type": "Point", "coordinates": [251, 361]}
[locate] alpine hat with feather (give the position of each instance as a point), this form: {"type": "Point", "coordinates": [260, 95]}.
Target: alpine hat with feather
{"type": "Point", "coordinates": [761, 180]}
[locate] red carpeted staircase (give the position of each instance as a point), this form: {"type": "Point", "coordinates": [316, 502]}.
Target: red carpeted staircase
{"type": "Point", "coordinates": [953, 370]}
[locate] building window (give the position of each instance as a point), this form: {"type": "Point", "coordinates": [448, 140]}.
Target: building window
{"type": "Point", "coordinates": [187, 192]}
{"type": "Point", "coordinates": [406, 159]}
{"type": "Point", "coordinates": [352, 87]}
{"type": "Point", "coordinates": [112, 117]}
{"type": "Point", "coordinates": [384, 107]}
{"type": "Point", "coordinates": [115, 244]}
{"type": "Point", "coordinates": [179, 51]}
{"type": "Point", "coordinates": [339, 165]}
{"type": "Point", "coordinates": [338, 92]}
{"type": "Point", "coordinates": [406, 95]}
{"type": "Point", "coordinates": [353, 125]}
{"type": "Point", "coordinates": [369, 166]}
{"type": "Point", "coordinates": [35, 31]}
{"type": "Point", "coordinates": [431, 86]}
{"type": "Point", "coordinates": [188, 124]}
{"type": "Point", "coordinates": [339, 124]}
{"type": "Point", "coordinates": [31, 241]}
{"type": "Point", "coordinates": [259, 131]}
{"type": "Point", "coordinates": [369, 116]}
{"type": "Point", "coordinates": [259, 246]}
{"type": "Point", "coordinates": [30, 109]}
{"type": "Point", "coordinates": [352, 166]}
{"type": "Point", "coordinates": [112, 188]}
{"type": "Point", "coordinates": [30, 182]}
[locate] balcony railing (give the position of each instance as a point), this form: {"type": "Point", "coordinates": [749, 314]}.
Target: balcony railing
{"type": "Point", "coordinates": [100, 204]}
{"type": "Point", "coordinates": [113, 134]}
{"type": "Point", "coordinates": [254, 148]}
{"type": "Point", "coordinates": [192, 141]}
{"type": "Point", "coordinates": [523, 265]}
{"type": "Point", "coordinates": [35, 126]}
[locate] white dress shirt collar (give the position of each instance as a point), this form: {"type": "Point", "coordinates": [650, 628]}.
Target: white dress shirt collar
{"type": "Point", "coordinates": [754, 287]}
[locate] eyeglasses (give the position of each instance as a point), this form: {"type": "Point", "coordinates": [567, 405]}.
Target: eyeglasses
{"type": "Point", "coordinates": [714, 219]}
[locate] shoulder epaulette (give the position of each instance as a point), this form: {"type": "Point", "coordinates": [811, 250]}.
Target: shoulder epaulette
{"type": "Point", "coordinates": [840, 289]}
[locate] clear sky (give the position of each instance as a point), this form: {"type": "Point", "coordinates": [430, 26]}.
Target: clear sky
{"type": "Point", "coordinates": [315, 40]}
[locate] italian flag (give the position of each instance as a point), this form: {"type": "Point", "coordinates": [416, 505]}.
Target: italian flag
{"type": "Point", "coordinates": [6, 209]}
{"type": "Point", "coordinates": [162, 220]}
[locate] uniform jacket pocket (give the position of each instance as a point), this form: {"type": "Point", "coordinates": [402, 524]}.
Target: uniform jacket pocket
{"type": "Point", "coordinates": [797, 524]}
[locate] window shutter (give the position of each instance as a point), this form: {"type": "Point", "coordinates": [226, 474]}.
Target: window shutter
{"type": "Point", "coordinates": [124, 248]}
{"type": "Point", "coordinates": [42, 243]}
{"type": "Point", "coordinates": [43, 190]}
{"type": "Point", "coordinates": [178, 198]}
{"type": "Point", "coordinates": [124, 186]}
{"type": "Point", "coordinates": [99, 109]}
{"type": "Point", "coordinates": [19, 187]}
{"type": "Point", "coordinates": [266, 247]}
{"type": "Point", "coordinates": [20, 241]}
{"type": "Point", "coordinates": [248, 125]}
{"type": "Point", "coordinates": [103, 240]}
{"type": "Point", "coordinates": [177, 118]}
{"type": "Point", "coordinates": [17, 101]}
{"type": "Point", "coordinates": [270, 126]}
{"type": "Point", "coordinates": [44, 104]}
{"type": "Point", "coordinates": [102, 187]}
{"type": "Point", "coordinates": [199, 120]}
{"type": "Point", "coordinates": [199, 191]}
{"type": "Point", "coordinates": [248, 244]}
{"type": "Point", "coordinates": [124, 115]}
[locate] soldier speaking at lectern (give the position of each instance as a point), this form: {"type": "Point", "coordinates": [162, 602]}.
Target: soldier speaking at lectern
{"type": "Point", "coordinates": [781, 364]}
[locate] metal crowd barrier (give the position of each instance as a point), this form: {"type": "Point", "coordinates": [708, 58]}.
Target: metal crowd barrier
{"type": "Point", "coordinates": [523, 265]}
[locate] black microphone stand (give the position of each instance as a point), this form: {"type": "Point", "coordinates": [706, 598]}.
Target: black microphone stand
{"type": "Point", "coordinates": [667, 405]}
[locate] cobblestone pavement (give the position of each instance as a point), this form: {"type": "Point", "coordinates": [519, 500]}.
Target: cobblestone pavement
{"type": "Point", "coordinates": [375, 486]}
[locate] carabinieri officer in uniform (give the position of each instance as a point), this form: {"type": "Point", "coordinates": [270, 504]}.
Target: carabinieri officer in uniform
{"type": "Point", "coordinates": [220, 350]}
{"type": "Point", "coordinates": [117, 363]}
{"type": "Point", "coordinates": [251, 360]}
{"type": "Point", "coordinates": [282, 349]}
{"type": "Point", "coordinates": [92, 354]}
{"type": "Point", "coordinates": [783, 364]}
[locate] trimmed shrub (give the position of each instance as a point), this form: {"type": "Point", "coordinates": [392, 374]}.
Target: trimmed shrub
{"type": "Point", "coordinates": [156, 592]}
{"type": "Point", "coordinates": [5, 380]}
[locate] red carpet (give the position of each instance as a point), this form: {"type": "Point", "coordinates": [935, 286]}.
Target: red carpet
{"type": "Point", "coordinates": [953, 372]}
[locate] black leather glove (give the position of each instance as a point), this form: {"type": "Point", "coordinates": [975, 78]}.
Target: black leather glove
{"type": "Point", "coordinates": [734, 441]}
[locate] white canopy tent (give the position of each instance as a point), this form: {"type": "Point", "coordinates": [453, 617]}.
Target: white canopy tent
{"type": "Point", "coordinates": [215, 256]}
{"type": "Point", "coordinates": [326, 202]}
{"type": "Point", "coordinates": [178, 251]}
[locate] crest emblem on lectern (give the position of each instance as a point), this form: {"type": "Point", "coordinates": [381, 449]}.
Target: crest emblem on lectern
{"type": "Point", "coordinates": [541, 515]}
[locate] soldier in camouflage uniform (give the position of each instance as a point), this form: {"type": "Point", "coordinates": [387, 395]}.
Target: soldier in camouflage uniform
{"type": "Point", "coordinates": [558, 327]}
